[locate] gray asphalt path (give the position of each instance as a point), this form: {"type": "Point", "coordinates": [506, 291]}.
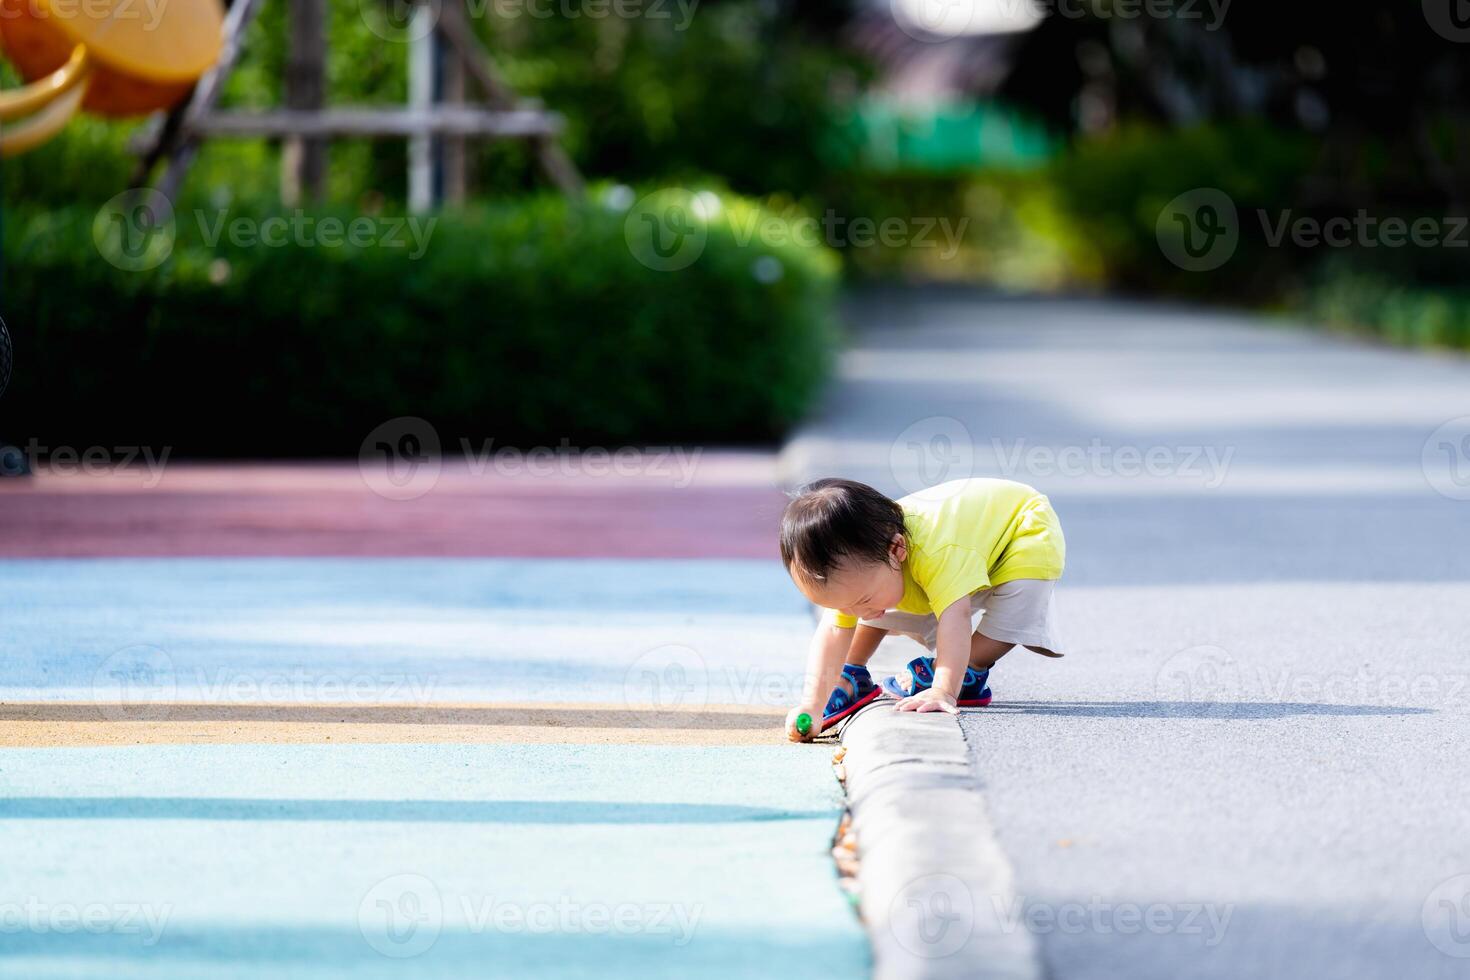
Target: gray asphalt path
{"type": "Point", "coordinates": [1255, 759]}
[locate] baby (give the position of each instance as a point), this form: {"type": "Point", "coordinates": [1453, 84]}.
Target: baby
{"type": "Point", "coordinates": [926, 566]}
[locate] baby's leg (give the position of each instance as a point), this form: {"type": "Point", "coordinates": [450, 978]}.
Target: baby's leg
{"type": "Point", "coordinates": [864, 643]}
{"type": "Point", "coordinates": [984, 651]}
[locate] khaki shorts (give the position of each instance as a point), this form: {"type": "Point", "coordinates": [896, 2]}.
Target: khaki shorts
{"type": "Point", "coordinates": [1020, 612]}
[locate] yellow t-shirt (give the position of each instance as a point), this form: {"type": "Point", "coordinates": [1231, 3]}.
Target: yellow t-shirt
{"type": "Point", "coordinates": [968, 535]}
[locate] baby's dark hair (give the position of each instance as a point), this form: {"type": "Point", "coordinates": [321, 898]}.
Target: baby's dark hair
{"type": "Point", "coordinates": [830, 520]}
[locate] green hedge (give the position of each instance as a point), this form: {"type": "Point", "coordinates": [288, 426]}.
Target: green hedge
{"type": "Point", "coordinates": [1399, 312]}
{"type": "Point", "coordinates": [527, 322]}
{"type": "Point", "coordinates": [1010, 229]}
{"type": "Point", "coordinates": [1089, 218]}
{"type": "Point", "coordinates": [1112, 189]}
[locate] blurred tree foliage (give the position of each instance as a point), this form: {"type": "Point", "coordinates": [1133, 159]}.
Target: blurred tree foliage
{"type": "Point", "coordinates": [743, 89]}
{"type": "Point", "coordinates": [1314, 108]}
{"type": "Point", "coordinates": [1379, 84]}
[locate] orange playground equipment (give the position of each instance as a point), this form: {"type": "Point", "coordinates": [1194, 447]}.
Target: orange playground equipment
{"type": "Point", "coordinates": [109, 57]}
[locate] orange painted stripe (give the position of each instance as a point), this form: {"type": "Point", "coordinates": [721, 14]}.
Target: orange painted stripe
{"type": "Point", "coordinates": [72, 724]}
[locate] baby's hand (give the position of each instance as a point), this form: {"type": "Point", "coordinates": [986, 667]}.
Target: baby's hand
{"type": "Point", "coordinates": [816, 716]}
{"type": "Point", "coordinates": [929, 699]}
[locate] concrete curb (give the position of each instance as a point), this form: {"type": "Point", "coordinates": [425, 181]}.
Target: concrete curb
{"type": "Point", "coordinates": [937, 893]}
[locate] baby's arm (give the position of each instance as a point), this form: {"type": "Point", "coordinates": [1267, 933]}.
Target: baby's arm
{"type": "Point", "coordinates": [825, 657]}
{"type": "Point", "coordinates": [951, 657]}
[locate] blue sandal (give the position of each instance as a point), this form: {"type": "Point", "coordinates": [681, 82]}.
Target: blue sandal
{"type": "Point", "coordinates": [919, 676]}
{"type": "Point", "coordinates": [855, 690]}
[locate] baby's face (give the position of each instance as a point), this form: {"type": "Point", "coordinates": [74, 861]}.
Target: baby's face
{"type": "Point", "coordinates": [862, 589]}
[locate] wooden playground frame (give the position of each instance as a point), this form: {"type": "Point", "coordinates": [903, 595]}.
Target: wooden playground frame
{"type": "Point", "coordinates": [437, 121]}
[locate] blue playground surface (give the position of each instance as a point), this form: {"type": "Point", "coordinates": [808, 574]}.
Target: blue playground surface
{"type": "Point", "coordinates": [400, 629]}
{"type": "Point", "coordinates": [443, 859]}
